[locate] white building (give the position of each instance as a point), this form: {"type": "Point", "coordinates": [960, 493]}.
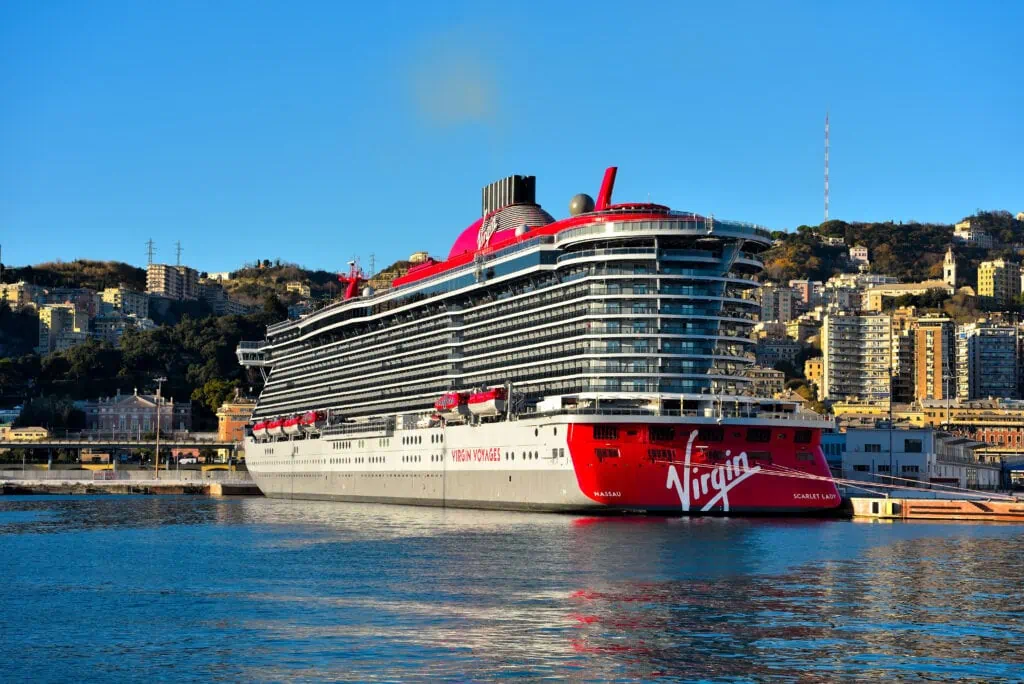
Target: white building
{"type": "Point", "coordinates": [964, 232]}
{"type": "Point", "coordinates": [859, 255]}
{"type": "Point", "coordinates": [868, 454]}
{"type": "Point", "coordinates": [917, 457]}
{"type": "Point", "coordinates": [857, 356]}
{"type": "Point", "coordinates": [778, 303]}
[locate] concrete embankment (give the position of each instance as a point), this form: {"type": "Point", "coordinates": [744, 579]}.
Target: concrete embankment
{"type": "Point", "coordinates": [216, 483]}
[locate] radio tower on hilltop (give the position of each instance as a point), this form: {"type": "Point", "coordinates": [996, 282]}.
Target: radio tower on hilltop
{"type": "Point", "coordinates": [149, 250]}
{"type": "Point", "coordinates": [826, 166]}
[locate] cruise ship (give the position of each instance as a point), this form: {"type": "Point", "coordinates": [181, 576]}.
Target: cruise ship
{"type": "Point", "coordinates": [595, 362]}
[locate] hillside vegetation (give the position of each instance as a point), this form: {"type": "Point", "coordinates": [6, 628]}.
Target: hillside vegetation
{"type": "Point", "coordinates": [911, 251]}
{"type": "Point", "coordinates": [96, 275]}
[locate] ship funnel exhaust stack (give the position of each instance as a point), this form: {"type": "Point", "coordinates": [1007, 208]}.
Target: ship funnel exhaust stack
{"type": "Point", "coordinates": [508, 191]}
{"type": "Point", "coordinates": [604, 198]}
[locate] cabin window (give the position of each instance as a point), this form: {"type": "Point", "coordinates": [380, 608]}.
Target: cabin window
{"type": "Point", "coordinates": [759, 435]}
{"type": "Point", "coordinates": [804, 456]}
{"type": "Point", "coordinates": [659, 454]}
{"type": "Point", "coordinates": [802, 437]}
{"type": "Point", "coordinates": [660, 433]}
{"type": "Point", "coordinates": [606, 432]}
{"type": "Point", "coordinates": [606, 453]}
{"type": "Point", "coordinates": [711, 434]}
{"type": "Point", "coordinates": [764, 456]}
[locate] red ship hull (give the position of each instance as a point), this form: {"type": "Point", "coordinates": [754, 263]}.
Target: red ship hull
{"type": "Point", "coordinates": [702, 469]}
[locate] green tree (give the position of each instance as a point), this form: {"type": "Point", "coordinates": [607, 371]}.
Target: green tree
{"type": "Point", "coordinates": [214, 393]}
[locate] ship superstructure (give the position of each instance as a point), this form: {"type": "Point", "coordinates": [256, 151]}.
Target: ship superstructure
{"type": "Point", "coordinates": [568, 355]}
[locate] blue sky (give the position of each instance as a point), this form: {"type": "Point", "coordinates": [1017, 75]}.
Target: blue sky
{"type": "Point", "coordinates": [315, 131]}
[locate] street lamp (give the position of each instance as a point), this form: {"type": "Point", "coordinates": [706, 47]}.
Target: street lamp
{"type": "Point", "coordinates": [156, 461]}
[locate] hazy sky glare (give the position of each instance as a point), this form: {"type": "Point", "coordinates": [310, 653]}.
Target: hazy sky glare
{"type": "Point", "coordinates": [316, 131]}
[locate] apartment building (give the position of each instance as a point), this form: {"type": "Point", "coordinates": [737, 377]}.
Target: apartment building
{"type": "Point", "coordinates": [766, 382]}
{"type": "Point", "coordinates": [21, 294]}
{"type": "Point", "coordinates": [857, 356]}
{"type": "Point", "coordinates": [172, 282]}
{"type": "Point", "coordinates": [127, 301]}
{"type": "Point", "coordinates": [999, 281]}
{"type": "Point", "coordinates": [986, 361]}
{"type": "Point", "coordinates": [934, 358]}
{"type": "Point", "coordinates": [61, 326]}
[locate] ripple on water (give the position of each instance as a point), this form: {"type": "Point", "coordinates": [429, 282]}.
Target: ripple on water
{"type": "Point", "coordinates": [251, 589]}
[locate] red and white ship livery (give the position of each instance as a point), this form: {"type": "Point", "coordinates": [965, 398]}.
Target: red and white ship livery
{"type": "Point", "coordinates": [597, 362]}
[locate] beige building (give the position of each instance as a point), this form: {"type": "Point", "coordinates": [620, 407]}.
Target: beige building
{"type": "Point", "coordinates": [766, 382]}
{"type": "Point", "coordinates": [21, 294]}
{"type": "Point", "coordinates": [173, 282]}
{"type": "Point", "coordinates": [301, 288]}
{"type": "Point", "coordinates": [999, 280]}
{"type": "Point", "coordinates": [127, 301]}
{"type": "Point", "coordinates": [24, 434]}
{"type": "Point", "coordinates": [802, 329]}
{"type": "Point", "coordinates": [61, 326]}
{"type": "Point", "coordinates": [874, 298]}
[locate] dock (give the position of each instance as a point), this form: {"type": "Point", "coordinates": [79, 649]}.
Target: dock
{"type": "Point", "coordinates": [978, 510]}
{"type": "Point", "coordinates": [211, 483]}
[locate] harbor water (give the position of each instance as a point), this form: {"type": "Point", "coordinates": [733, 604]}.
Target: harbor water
{"type": "Point", "coordinates": [119, 588]}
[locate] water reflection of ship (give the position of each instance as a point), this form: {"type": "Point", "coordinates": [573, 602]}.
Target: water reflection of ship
{"type": "Point", "coordinates": [629, 598]}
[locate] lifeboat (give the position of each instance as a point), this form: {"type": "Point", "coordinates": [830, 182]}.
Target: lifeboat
{"type": "Point", "coordinates": [488, 403]}
{"type": "Point", "coordinates": [292, 426]}
{"type": "Point", "coordinates": [453, 405]}
{"type": "Point", "coordinates": [313, 420]}
{"type": "Point", "coordinates": [259, 430]}
{"type": "Point", "coordinates": [275, 428]}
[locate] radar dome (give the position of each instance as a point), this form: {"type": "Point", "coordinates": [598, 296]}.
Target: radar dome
{"type": "Point", "coordinates": [581, 204]}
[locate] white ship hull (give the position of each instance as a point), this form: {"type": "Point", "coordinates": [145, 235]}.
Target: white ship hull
{"type": "Point", "coordinates": [519, 465]}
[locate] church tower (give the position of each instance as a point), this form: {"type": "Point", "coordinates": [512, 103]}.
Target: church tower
{"type": "Point", "coordinates": [949, 268]}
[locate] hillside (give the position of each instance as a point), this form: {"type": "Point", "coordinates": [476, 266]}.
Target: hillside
{"type": "Point", "coordinates": [911, 251]}
{"type": "Point", "coordinates": [96, 275]}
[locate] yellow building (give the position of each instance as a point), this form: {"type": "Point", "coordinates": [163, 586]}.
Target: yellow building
{"type": "Point", "coordinates": [300, 287]}
{"type": "Point", "coordinates": [814, 369]}
{"type": "Point", "coordinates": [60, 327]}
{"type": "Point", "coordinates": [127, 301]}
{"type": "Point", "coordinates": [999, 280]}
{"type": "Point", "coordinates": [20, 294]}
{"type": "Point", "coordinates": [24, 434]}
{"type": "Point", "coordinates": [232, 417]}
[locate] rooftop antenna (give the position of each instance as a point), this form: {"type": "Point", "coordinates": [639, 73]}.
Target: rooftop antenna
{"type": "Point", "coordinates": [826, 165]}
{"type": "Point", "coordinates": [150, 249]}
{"type": "Point", "coordinates": [177, 246]}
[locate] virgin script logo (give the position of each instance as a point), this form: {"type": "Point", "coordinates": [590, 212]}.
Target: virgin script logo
{"type": "Point", "coordinates": [715, 482]}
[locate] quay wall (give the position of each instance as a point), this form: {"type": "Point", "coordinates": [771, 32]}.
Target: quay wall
{"type": "Point", "coordinates": [190, 476]}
